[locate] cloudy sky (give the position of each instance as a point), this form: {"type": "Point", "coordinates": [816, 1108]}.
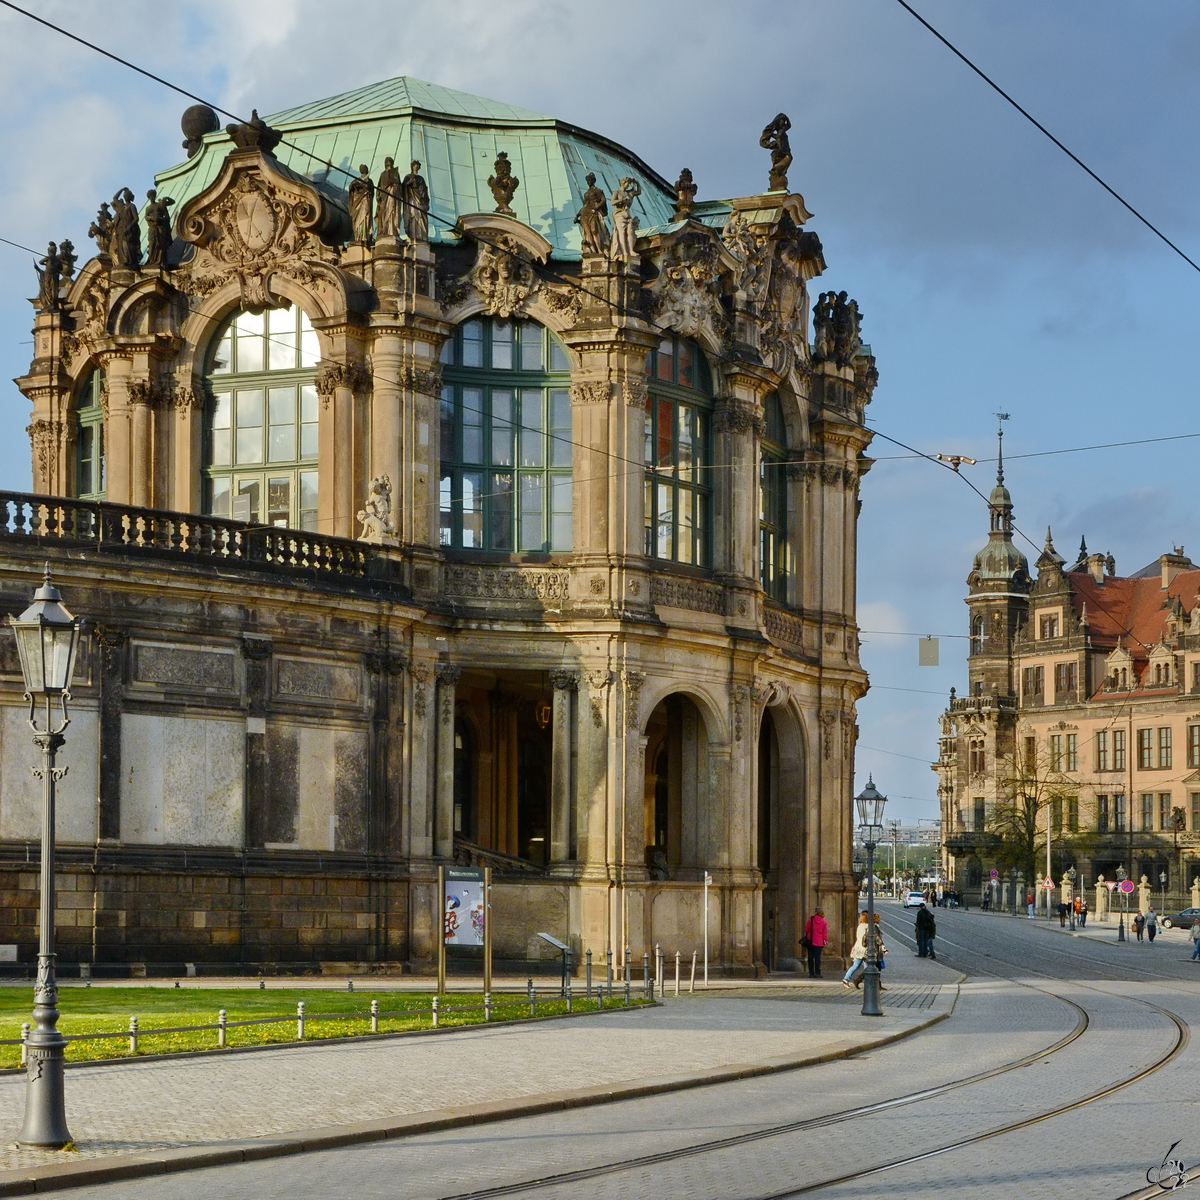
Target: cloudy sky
{"type": "Point", "coordinates": [993, 273]}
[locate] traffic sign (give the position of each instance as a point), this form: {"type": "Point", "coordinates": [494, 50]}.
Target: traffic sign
{"type": "Point", "coordinates": [1048, 882]}
{"type": "Point", "coordinates": [995, 873]}
{"type": "Point", "coordinates": [1126, 885]}
{"type": "Point", "coordinates": [1111, 884]}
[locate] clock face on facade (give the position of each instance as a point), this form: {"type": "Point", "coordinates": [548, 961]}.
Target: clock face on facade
{"type": "Point", "coordinates": [255, 221]}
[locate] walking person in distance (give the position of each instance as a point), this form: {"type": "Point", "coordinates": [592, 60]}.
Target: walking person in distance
{"type": "Point", "coordinates": [1139, 926]}
{"type": "Point", "coordinates": [926, 928]}
{"type": "Point", "coordinates": [1151, 923]}
{"type": "Point", "coordinates": [813, 941]}
{"type": "Point", "coordinates": [1195, 936]}
{"type": "Point", "coordinates": [858, 954]}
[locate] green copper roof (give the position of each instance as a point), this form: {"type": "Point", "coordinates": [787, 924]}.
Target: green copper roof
{"type": "Point", "coordinates": [403, 92]}
{"type": "Point", "coordinates": [457, 138]}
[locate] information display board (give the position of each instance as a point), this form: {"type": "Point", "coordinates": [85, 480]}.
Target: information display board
{"type": "Point", "coordinates": [463, 903]}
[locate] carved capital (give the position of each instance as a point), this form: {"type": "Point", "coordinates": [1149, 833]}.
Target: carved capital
{"type": "Point", "coordinates": [633, 698]}
{"type": "Point", "coordinates": [598, 680]}
{"type": "Point", "coordinates": [564, 680]}
{"type": "Point", "coordinates": [591, 392]}
{"type": "Point", "coordinates": [447, 674]}
{"type": "Point", "coordinates": [635, 392]}
{"type": "Point", "coordinates": [426, 380]}
{"type": "Point", "coordinates": [256, 649]}
{"type": "Point", "coordinates": [45, 436]}
{"type": "Point", "coordinates": [353, 375]}
{"type": "Point", "coordinates": [733, 418]}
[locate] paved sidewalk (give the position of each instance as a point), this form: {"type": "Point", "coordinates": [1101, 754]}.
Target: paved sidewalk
{"type": "Point", "coordinates": [146, 1117]}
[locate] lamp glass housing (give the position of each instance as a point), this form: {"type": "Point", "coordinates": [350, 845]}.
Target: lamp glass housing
{"type": "Point", "coordinates": [870, 805]}
{"type": "Point", "coordinates": [47, 641]}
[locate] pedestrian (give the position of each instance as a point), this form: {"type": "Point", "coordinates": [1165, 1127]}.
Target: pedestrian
{"type": "Point", "coordinates": [816, 934]}
{"type": "Point", "coordinates": [880, 951]}
{"type": "Point", "coordinates": [858, 953]}
{"type": "Point", "coordinates": [1083, 912]}
{"type": "Point", "coordinates": [1195, 936]}
{"type": "Point", "coordinates": [1139, 925]}
{"type": "Point", "coordinates": [1062, 914]}
{"type": "Point", "coordinates": [1029, 904]}
{"type": "Point", "coordinates": [1151, 923]}
{"type": "Point", "coordinates": [926, 927]}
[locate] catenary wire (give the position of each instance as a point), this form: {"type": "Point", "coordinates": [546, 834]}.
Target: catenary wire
{"type": "Point", "coordinates": [1038, 125]}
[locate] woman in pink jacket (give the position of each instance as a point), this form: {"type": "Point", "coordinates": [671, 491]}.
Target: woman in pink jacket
{"type": "Point", "coordinates": [816, 934]}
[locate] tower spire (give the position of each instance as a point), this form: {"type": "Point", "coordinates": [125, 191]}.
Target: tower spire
{"type": "Point", "coordinates": [1001, 418]}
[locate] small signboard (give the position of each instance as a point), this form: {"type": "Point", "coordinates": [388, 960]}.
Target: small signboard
{"type": "Point", "coordinates": [463, 906]}
{"type": "Point", "coordinates": [8, 954]}
{"type": "Point", "coordinates": [1126, 885]}
{"type": "Point", "coordinates": [927, 652]}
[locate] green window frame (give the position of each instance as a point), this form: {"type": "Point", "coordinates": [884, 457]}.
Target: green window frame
{"type": "Point", "coordinates": [261, 420]}
{"type": "Point", "coordinates": [678, 454]}
{"type": "Point", "coordinates": [90, 466]}
{"type": "Point", "coordinates": [774, 548]}
{"type": "Point", "coordinates": [505, 430]}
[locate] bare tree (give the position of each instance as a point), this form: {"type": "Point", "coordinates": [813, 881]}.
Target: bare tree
{"type": "Point", "coordinates": [1032, 791]}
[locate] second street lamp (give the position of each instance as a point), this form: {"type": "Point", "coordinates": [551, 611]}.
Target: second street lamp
{"type": "Point", "coordinates": [47, 639]}
{"type": "Point", "coordinates": [870, 815]}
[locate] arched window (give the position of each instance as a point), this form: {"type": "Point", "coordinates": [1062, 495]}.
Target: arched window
{"type": "Point", "coordinates": [260, 431]}
{"type": "Point", "coordinates": [505, 438]}
{"type": "Point", "coordinates": [89, 439]}
{"type": "Point", "coordinates": [678, 454]}
{"type": "Point", "coordinates": [774, 550]}
{"type": "Point", "coordinates": [977, 628]}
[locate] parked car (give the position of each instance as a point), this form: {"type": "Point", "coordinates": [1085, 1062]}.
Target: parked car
{"type": "Point", "coordinates": [1181, 920]}
{"type": "Point", "coordinates": [915, 899]}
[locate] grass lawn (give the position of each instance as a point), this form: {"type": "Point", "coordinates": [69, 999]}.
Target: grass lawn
{"type": "Point", "coordinates": [108, 1009]}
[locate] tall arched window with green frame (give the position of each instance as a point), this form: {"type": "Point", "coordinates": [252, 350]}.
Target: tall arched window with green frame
{"type": "Point", "coordinates": [89, 438]}
{"type": "Point", "coordinates": [260, 427]}
{"type": "Point", "coordinates": [775, 557]}
{"type": "Point", "coordinates": [678, 511]}
{"type": "Point", "coordinates": [505, 479]}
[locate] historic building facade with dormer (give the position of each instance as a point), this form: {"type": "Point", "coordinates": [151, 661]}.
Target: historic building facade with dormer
{"type": "Point", "coordinates": [1085, 685]}
{"type": "Point", "coordinates": [496, 510]}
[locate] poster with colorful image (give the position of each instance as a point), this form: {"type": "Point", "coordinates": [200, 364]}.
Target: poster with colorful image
{"type": "Point", "coordinates": [463, 907]}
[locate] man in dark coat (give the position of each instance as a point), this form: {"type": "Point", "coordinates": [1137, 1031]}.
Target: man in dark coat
{"type": "Point", "coordinates": [926, 931]}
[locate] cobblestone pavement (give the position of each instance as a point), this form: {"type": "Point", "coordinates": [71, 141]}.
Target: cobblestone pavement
{"type": "Point", "coordinates": [137, 1107]}
{"type": "Point", "coordinates": [1100, 1150]}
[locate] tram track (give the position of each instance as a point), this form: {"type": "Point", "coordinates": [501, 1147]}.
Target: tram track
{"type": "Point", "coordinates": [582, 1175]}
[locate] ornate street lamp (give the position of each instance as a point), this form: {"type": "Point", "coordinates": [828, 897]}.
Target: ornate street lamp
{"type": "Point", "coordinates": [47, 639]}
{"type": "Point", "coordinates": [1121, 877]}
{"type": "Point", "coordinates": [870, 816]}
{"type": "Point", "coordinates": [1071, 908]}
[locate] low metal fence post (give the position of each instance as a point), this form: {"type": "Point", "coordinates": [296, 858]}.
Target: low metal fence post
{"type": "Point", "coordinates": [568, 993]}
{"type": "Point", "coordinates": [646, 992]}
{"type": "Point", "coordinates": [692, 984]}
{"type": "Point", "coordinates": [374, 1016]}
{"type": "Point", "coordinates": [487, 1006]}
{"type": "Point", "coordinates": [300, 1021]}
{"type": "Point", "coordinates": [349, 985]}
{"type": "Point", "coordinates": [532, 998]}
{"type": "Point", "coordinates": [133, 1035]}
{"type": "Point", "coordinates": [677, 972]}
{"type": "Point", "coordinates": [627, 956]}
{"type": "Point", "coordinates": [608, 957]}
{"type": "Point", "coordinates": [222, 1022]}
{"type": "Point", "coordinates": [25, 1027]}
{"type": "Point", "coordinates": [435, 1011]}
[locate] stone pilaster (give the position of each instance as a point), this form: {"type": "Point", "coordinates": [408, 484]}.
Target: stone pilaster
{"type": "Point", "coordinates": [562, 772]}
{"type": "Point", "coordinates": [261, 825]}
{"type": "Point", "coordinates": [111, 683]}
{"type": "Point", "coordinates": [443, 836]}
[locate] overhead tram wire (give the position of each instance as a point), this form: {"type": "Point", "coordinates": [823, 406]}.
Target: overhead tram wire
{"type": "Point", "coordinates": [1174, 437]}
{"type": "Point", "coordinates": [1038, 125]}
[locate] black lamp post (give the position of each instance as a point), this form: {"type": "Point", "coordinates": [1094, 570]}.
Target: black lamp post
{"type": "Point", "coordinates": [47, 639]}
{"type": "Point", "coordinates": [1012, 888]}
{"type": "Point", "coordinates": [1121, 877]}
{"type": "Point", "coordinates": [870, 815]}
{"type": "Point", "coordinates": [1071, 874]}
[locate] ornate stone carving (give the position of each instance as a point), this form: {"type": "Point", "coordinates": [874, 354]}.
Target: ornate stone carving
{"type": "Point", "coordinates": [44, 436]}
{"type": "Point", "coordinates": [593, 228]}
{"type": "Point", "coordinates": [545, 585]}
{"type": "Point", "coordinates": [49, 275]}
{"type": "Point", "coordinates": [734, 418]}
{"type": "Point", "coordinates": [685, 296]}
{"type": "Point", "coordinates": [197, 120]}
{"type": "Point", "coordinates": [829, 718]}
{"type": "Point", "coordinates": [447, 677]}
{"type": "Point", "coordinates": [376, 514]}
{"type": "Point", "coordinates": [125, 235]}
{"type": "Point", "coordinates": [738, 699]}
{"type": "Point", "coordinates": [598, 585]}
{"type": "Point", "coordinates": [504, 184]}
{"type": "Point", "coordinates": [101, 229]}
{"type": "Point", "coordinates": [353, 375]}
{"type": "Point", "coordinates": [421, 675]}
{"type": "Point", "coordinates": [388, 200]}
{"type": "Point", "coordinates": [566, 302]}
{"type": "Point", "coordinates": [503, 277]}
{"type": "Point", "coordinates": [379, 662]}
{"type": "Point", "coordinates": [361, 198]}
{"type": "Point", "coordinates": [635, 392]}
{"type": "Point", "coordinates": [187, 399]}
{"type": "Point", "coordinates": [254, 134]}
{"type": "Point", "coordinates": [426, 380]}
{"type": "Point", "coordinates": [563, 679]}
{"type": "Point", "coordinates": [775, 139]}
{"type": "Point", "coordinates": [693, 594]}
{"type": "Point", "coordinates": [685, 196]}
{"type": "Point", "coordinates": [591, 392]}
{"type": "Point", "coordinates": [633, 699]}
{"type": "Point", "coordinates": [155, 393]}
{"type": "Point", "coordinates": [158, 229]}
{"type": "Point", "coordinates": [66, 252]}
{"type": "Point", "coordinates": [784, 627]}
{"type": "Point", "coordinates": [415, 193]}
{"type": "Point", "coordinates": [598, 682]}
{"type": "Point", "coordinates": [624, 234]}
{"type": "Point", "coordinates": [836, 329]}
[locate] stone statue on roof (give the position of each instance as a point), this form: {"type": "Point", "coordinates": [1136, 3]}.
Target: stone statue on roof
{"type": "Point", "coordinates": [593, 229]}
{"type": "Point", "coordinates": [504, 184]}
{"type": "Point", "coordinates": [775, 139]}
{"type": "Point", "coordinates": [66, 252]}
{"type": "Point", "coordinates": [387, 201]}
{"type": "Point", "coordinates": [125, 243]}
{"type": "Point", "coordinates": [823, 327]}
{"type": "Point", "coordinates": [625, 224]}
{"type": "Point", "coordinates": [685, 195]}
{"type": "Point", "coordinates": [361, 197]}
{"type": "Point", "coordinates": [49, 273]}
{"type": "Point", "coordinates": [158, 229]}
{"type": "Point", "coordinates": [415, 193]}
{"type": "Point", "coordinates": [101, 229]}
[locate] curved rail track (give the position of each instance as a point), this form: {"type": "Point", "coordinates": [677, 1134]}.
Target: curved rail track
{"type": "Point", "coordinates": [584, 1174]}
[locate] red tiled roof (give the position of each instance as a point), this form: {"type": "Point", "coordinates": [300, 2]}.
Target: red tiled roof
{"type": "Point", "coordinates": [1131, 610]}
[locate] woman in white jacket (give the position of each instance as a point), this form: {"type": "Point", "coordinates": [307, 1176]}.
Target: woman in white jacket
{"type": "Point", "coordinates": [858, 954]}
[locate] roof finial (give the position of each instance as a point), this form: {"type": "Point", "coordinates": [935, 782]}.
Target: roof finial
{"type": "Point", "coordinates": [1001, 418]}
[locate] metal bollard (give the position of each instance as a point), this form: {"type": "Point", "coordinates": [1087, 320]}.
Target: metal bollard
{"type": "Point", "coordinates": [222, 1020]}
{"type": "Point", "coordinates": [300, 1021]}
{"type": "Point", "coordinates": [677, 972]}
{"type": "Point", "coordinates": [262, 983]}
{"type": "Point", "coordinates": [434, 1012]}
{"type": "Point", "coordinates": [487, 1006]}
{"type": "Point", "coordinates": [532, 998]}
{"type": "Point", "coordinates": [627, 958]}
{"type": "Point", "coordinates": [349, 985]}
{"type": "Point", "coordinates": [133, 1035]}
{"type": "Point", "coordinates": [656, 978]}
{"type": "Point", "coordinates": [374, 1016]}
{"type": "Point", "coordinates": [589, 974]}
{"type": "Point", "coordinates": [608, 957]}
{"type": "Point", "coordinates": [568, 993]}
{"type": "Point", "coordinates": [25, 1028]}
{"type": "Point", "coordinates": [692, 984]}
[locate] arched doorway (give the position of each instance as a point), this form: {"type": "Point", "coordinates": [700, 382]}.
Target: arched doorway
{"type": "Point", "coordinates": [767, 837]}
{"type": "Point", "coordinates": [675, 784]}
{"type": "Point", "coordinates": [781, 838]}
